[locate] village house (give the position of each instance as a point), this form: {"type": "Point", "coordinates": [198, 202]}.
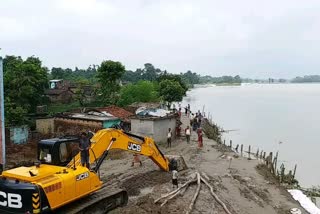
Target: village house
{"type": "Point", "coordinates": [154, 126]}
{"type": "Point", "coordinates": [59, 91]}
{"type": "Point", "coordinates": [75, 123]}
{"type": "Point", "coordinates": [92, 120]}
{"type": "Point", "coordinates": [85, 119]}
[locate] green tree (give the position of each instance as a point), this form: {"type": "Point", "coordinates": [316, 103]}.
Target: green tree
{"type": "Point", "coordinates": [131, 76]}
{"type": "Point", "coordinates": [15, 115]}
{"type": "Point", "coordinates": [24, 85]}
{"type": "Point", "coordinates": [80, 92]}
{"type": "Point", "coordinates": [171, 91]}
{"type": "Point", "coordinates": [176, 78]}
{"type": "Point", "coordinates": [143, 91]}
{"type": "Point", "coordinates": [149, 72]}
{"type": "Point", "coordinates": [76, 74]}
{"type": "Point", "coordinates": [60, 73]}
{"type": "Point", "coordinates": [190, 78]}
{"type": "Point", "coordinates": [109, 74]}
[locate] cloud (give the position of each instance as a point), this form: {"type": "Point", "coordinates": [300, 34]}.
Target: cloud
{"type": "Point", "coordinates": [248, 37]}
{"type": "Point", "coordinates": [86, 8]}
{"type": "Point", "coordinates": [10, 29]}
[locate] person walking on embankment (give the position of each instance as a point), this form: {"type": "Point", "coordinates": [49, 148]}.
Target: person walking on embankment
{"type": "Point", "coordinates": [169, 136]}
{"type": "Point", "coordinates": [175, 178]}
{"type": "Point", "coordinates": [200, 140]}
{"type": "Point", "coordinates": [136, 159]}
{"type": "Point", "coordinates": [188, 133]}
{"type": "Point", "coordinates": [195, 122]}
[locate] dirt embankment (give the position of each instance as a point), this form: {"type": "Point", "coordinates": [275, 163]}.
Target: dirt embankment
{"type": "Point", "coordinates": [234, 179]}
{"type": "Point", "coordinates": [212, 131]}
{"type": "Point", "coordinates": [241, 186]}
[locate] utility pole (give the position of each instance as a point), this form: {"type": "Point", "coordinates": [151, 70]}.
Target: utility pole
{"type": "Point", "coordinates": [2, 125]}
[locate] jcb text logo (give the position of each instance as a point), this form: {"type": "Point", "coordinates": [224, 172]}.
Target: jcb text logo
{"type": "Point", "coordinates": [11, 200]}
{"type": "Point", "coordinates": [82, 176]}
{"type": "Point", "coordinates": [134, 147]}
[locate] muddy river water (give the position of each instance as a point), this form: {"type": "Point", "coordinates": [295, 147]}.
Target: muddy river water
{"type": "Point", "coordinates": [272, 117]}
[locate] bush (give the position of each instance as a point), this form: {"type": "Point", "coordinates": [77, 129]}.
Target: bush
{"type": "Point", "coordinates": [143, 91]}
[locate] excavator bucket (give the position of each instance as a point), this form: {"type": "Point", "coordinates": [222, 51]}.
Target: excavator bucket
{"type": "Point", "coordinates": [176, 162]}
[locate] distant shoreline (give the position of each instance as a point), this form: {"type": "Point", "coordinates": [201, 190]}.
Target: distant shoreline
{"type": "Point", "coordinates": [247, 83]}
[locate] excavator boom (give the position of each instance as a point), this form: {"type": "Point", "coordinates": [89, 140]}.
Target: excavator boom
{"type": "Point", "coordinates": [105, 140]}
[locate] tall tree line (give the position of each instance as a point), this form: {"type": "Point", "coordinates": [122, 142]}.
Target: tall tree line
{"type": "Point", "coordinates": [25, 82]}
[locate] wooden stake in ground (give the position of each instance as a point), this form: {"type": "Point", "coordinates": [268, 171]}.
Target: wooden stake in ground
{"type": "Point", "coordinates": [196, 194]}
{"type": "Point", "coordinates": [230, 160]}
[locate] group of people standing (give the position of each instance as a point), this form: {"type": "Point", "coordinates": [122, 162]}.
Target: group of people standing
{"type": "Point", "coordinates": [195, 123]}
{"type": "Point", "coordinates": [195, 120]}
{"type": "Point", "coordinates": [199, 133]}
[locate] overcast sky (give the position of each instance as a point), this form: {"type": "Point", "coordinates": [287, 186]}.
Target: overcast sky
{"type": "Point", "coordinates": [252, 38]}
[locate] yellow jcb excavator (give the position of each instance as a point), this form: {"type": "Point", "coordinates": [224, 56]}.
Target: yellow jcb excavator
{"type": "Point", "coordinates": [58, 182]}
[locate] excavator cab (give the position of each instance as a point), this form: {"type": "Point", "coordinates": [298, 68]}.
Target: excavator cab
{"type": "Point", "coordinates": [58, 151]}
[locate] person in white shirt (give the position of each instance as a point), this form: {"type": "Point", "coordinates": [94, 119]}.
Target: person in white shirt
{"type": "Point", "coordinates": [175, 178]}
{"type": "Point", "coordinates": [169, 136]}
{"type": "Point", "coordinates": [188, 133]}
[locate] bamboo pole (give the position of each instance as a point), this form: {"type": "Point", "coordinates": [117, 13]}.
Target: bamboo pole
{"type": "Point", "coordinates": [174, 195]}
{"type": "Point", "coordinates": [270, 161]}
{"type": "Point", "coordinates": [215, 196]}
{"type": "Point", "coordinates": [195, 195]}
{"type": "Point", "coordinates": [237, 147]}
{"type": "Point", "coordinates": [294, 171]}
{"type": "Point", "coordinates": [173, 192]}
{"type": "Point", "coordinates": [282, 168]}
{"type": "Point", "coordinates": [275, 163]}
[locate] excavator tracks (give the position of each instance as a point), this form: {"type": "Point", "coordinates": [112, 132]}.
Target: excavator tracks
{"type": "Point", "coordinates": [102, 201]}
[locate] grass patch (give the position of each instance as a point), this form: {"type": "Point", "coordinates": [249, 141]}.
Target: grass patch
{"type": "Point", "coordinates": [61, 107]}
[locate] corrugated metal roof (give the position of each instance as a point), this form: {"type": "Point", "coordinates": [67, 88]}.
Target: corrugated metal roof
{"type": "Point", "coordinates": [91, 117]}
{"type": "Point", "coordinates": [55, 80]}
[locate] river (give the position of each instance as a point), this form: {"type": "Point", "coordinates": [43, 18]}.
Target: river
{"type": "Point", "coordinates": [263, 115]}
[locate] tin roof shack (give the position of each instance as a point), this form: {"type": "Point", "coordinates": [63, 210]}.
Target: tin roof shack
{"type": "Point", "coordinates": [120, 113]}
{"type": "Point", "coordinates": [59, 91]}
{"type": "Point", "coordinates": [154, 127]}
{"type": "Point", "coordinates": [75, 123]}
{"type": "Point", "coordinates": [134, 106]}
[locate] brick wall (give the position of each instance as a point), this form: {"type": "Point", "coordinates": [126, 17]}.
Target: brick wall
{"type": "Point", "coordinates": [45, 125]}
{"type": "Point", "coordinates": [64, 126]}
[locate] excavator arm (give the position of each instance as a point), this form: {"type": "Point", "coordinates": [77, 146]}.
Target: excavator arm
{"type": "Point", "coordinates": [106, 139]}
